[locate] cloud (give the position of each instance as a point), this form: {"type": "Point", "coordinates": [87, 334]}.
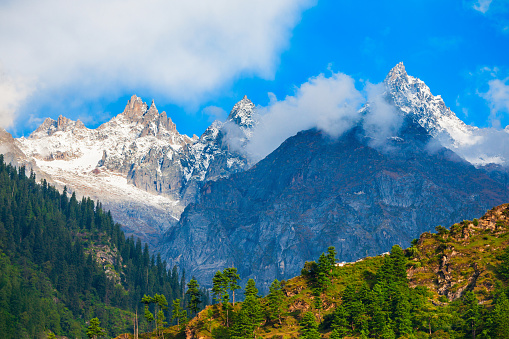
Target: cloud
{"type": "Point", "coordinates": [328, 103]}
{"type": "Point", "coordinates": [495, 11]}
{"type": "Point", "coordinates": [180, 51]}
{"type": "Point", "coordinates": [13, 91]}
{"type": "Point", "coordinates": [382, 120]}
{"type": "Point", "coordinates": [482, 5]}
{"type": "Point", "coordinates": [490, 145]}
{"type": "Point", "coordinates": [498, 98]}
{"type": "Point", "coordinates": [215, 113]}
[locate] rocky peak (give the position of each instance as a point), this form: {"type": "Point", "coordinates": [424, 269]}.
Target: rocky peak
{"type": "Point", "coordinates": [153, 109]}
{"type": "Point", "coordinates": [242, 113]}
{"type": "Point", "coordinates": [135, 108]}
{"type": "Point", "coordinates": [50, 126]}
{"type": "Point", "coordinates": [397, 72]}
{"type": "Point", "coordinates": [413, 97]}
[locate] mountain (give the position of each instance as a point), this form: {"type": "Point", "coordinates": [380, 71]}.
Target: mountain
{"type": "Point", "coordinates": [479, 146]}
{"type": "Point", "coordinates": [137, 164]}
{"type": "Point", "coordinates": [314, 191]}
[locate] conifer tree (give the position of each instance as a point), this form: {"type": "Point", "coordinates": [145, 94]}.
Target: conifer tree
{"type": "Point", "coordinates": [147, 300]}
{"type": "Point", "coordinates": [232, 279]}
{"type": "Point", "coordinates": [275, 301]}
{"type": "Point", "coordinates": [500, 318]}
{"type": "Point", "coordinates": [340, 324]}
{"type": "Point", "coordinates": [472, 313]}
{"type": "Point", "coordinates": [193, 291]}
{"type": "Point", "coordinates": [94, 331]}
{"type": "Point", "coordinates": [247, 319]}
{"type": "Point", "coordinates": [309, 326]}
{"type": "Point", "coordinates": [251, 289]}
{"type": "Point", "coordinates": [161, 305]}
{"type": "Point", "coordinates": [219, 287]}
{"type": "Point", "coordinates": [177, 311]}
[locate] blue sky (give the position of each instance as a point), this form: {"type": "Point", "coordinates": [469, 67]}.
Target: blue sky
{"type": "Point", "coordinates": [197, 62]}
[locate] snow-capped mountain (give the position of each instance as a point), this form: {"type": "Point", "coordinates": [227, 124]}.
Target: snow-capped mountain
{"type": "Point", "coordinates": [145, 171]}
{"type": "Point", "coordinates": [138, 164]}
{"type": "Point", "coordinates": [413, 97]}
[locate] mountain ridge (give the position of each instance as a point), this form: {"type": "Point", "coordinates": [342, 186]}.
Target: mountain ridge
{"type": "Point", "coordinates": [357, 197]}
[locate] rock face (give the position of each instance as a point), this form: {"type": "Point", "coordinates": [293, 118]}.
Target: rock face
{"type": "Point", "coordinates": [138, 164]}
{"type": "Point", "coordinates": [314, 192]}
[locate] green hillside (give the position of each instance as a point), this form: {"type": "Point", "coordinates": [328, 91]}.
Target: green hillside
{"type": "Point", "coordinates": [64, 262]}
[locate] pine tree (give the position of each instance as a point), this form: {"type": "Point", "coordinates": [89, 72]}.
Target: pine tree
{"type": "Point", "coordinates": [219, 287]}
{"type": "Point", "coordinates": [472, 313]}
{"type": "Point", "coordinates": [331, 257]}
{"type": "Point", "coordinates": [247, 319]}
{"type": "Point", "coordinates": [500, 318]}
{"type": "Point", "coordinates": [161, 305]}
{"type": "Point", "coordinates": [220, 291]}
{"type": "Point", "coordinates": [94, 331]}
{"type": "Point", "coordinates": [147, 300]}
{"type": "Point", "coordinates": [275, 301]}
{"type": "Point", "coordinates": [232, 278]}
{"type": "Point", "coordinates": [193, 291]}
{"type": "Point", "coordinates": [176, 312]}
{"type": "Point", "coordinates": [309, 327]}
{"type": "Point", "coordinates": [323, 272]}
{"type": "Point", "coordinates": [340, 322]}
{"type": "Point", "coordinates": [251, 289]}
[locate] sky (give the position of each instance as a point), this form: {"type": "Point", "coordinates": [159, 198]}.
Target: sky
{"type": "Point", "coordinates": [197, 58]}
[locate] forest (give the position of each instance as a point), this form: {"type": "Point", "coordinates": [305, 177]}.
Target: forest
{"type": "Point", "coordinates": [51, 280]}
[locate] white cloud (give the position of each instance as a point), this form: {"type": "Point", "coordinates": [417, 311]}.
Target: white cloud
{"type": "Point", "coordinates": [482, 6]}
{"type": "Point", "coordinates": [490, 145]}
{"type": "Point", "coordinates": [498, 98]}
{"type": "Point", "coordinates": [13, 91]}
{"type": "Point", "coordinates": [382, 120]}
{"type": "Point", "coordinates": [328, 103]}
{"type": "Point", "coordinates": [178, 50]}
{"type": "Point", "coordinates": [215, 113]}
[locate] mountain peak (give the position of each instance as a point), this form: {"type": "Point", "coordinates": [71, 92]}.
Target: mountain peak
{"type": "Point", "coordinates": [413, 97]}
{"type": "Point", "coordinates": [242, 113]}
{"type": "Point", "coordinates": [50, 126]}
{"type": "Point", "coordinates": [152, 111]}
{"type": "Point", "coordinates": [397, 75]}
{"type": "Point", "coordinates": [135, 108]}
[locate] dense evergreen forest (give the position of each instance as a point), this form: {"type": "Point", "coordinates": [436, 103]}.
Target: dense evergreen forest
{"type": "Point", "coordinates": [64, 262]}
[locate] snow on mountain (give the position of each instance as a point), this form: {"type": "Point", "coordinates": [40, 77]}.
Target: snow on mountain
{"type": "Point", "coordinates": [138, 161]}
{"type": "Point", "coordinates": [411, 95]}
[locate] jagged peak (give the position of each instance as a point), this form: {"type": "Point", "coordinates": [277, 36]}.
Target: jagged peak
{"type": "Point", "coordinates": [50, 126]}
{"type": "Point", "coordinates": [152, 109]}
{"type": "Point", "coordinates": [135, 108]}
{"type": "Point", "coordinates": [398, 72]}
{"type": "Point", "coordinates": [242, 113]}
